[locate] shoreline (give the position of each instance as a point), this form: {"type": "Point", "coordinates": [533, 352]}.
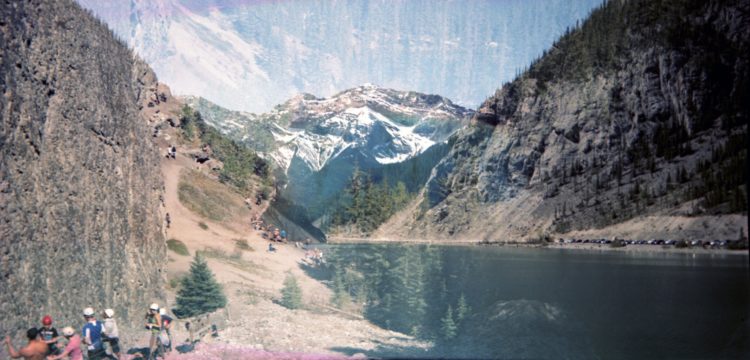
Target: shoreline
{"type": "Point", "coordinates": [575, 246]}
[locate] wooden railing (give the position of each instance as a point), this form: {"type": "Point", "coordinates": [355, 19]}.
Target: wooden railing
{"type": "Point", "coordinates": [201, 326]}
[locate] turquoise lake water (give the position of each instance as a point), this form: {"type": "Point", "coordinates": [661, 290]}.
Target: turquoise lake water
{"type": "Point", "coordinates": [524, 303]}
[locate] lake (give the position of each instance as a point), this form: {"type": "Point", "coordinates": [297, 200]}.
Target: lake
{"type": "Point", "coordinates": [528, 303]}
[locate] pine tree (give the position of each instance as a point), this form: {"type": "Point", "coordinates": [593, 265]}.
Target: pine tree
{"type": "Point", "coordinates": [291, 293]}
{"type": "Point", "coordinates": [448, 327]}
{"type": "Point", "coordinates": [200, 292]}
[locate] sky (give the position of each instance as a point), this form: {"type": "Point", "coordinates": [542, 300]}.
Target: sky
{"type": "Point", "coordinates": [253, 55]}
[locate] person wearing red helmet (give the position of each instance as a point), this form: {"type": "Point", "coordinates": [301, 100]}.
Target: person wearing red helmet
{"type": "Point", "coordinates": [49, 335]}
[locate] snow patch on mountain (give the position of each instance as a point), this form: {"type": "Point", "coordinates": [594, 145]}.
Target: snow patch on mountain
{"type": "Point", "coordinates": [382, 125]}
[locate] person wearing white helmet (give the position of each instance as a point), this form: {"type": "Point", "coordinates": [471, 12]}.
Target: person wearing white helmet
{"type": "Point", "coordinates": [92, 335]}
{"type": "Point", "coordinates": [111, 334]}
{"type": "Point", "coordinates": [73, 349]}
{"type": "Point", "coordinates": [153, 324]}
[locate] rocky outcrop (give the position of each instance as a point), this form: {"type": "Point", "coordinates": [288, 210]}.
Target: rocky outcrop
{"type": "Point", "coordinates": [637, 112]}
{"type": "Point", "coordinates": [80, 221]}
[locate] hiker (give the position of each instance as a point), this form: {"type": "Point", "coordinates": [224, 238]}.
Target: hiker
{"type": "Point", "coordinates": [173, 151]}
{"type": "Point", "coordinates": [49, 335]}
{"type": "Point", "coordinates": [73, 348]}
{"type": "Point", "coordinates": [166, 325]}
{"type": "Point", "coordinates": [92, 335]}
{"type": "Point", "coordinates": [153, 324]}
{"type": "Point", "coordinates": [283, 235]}
{"type": "Point", "coordinates": [111, 334]}
{"type": "Point", "coordinates": [271, 248]}
{"type": "Point", "coordinates": [36, 349]}
{"type": "Point", "coordinates": [168, 220]}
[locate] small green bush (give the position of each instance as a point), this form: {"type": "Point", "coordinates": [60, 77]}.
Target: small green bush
{"type": "Point", "coordinates": [617, 243]}
{"type": "Point", "coordinates": [178, 247]}
{"type": "Point", "coordinates": [203, 225]}
{"type": "Point", "coordinates": [216, 253]}
{"type": "Point", "coordinates": [242, 244]}
{"type": "Point", "coordinates": [176, 281]}
{"type": "Point", "coordinates": [291, 294]}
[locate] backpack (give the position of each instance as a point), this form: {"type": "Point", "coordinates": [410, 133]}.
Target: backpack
{"type": "Point", "coordinates": [164, 338]}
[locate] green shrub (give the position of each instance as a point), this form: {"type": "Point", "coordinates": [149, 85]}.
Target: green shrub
{"type": "Point", "coordinates": [291, 294]}
{"type": "Point", "coordinates": [241, 244]}
{"type": "Point", "coordinates": [178, 247]}
{"type": "Point", "coordinates": [216, 253]}
{"type": "Point", "coordinates": [175, 282]}
{"type": "Point", "coordinates": [203, 225]}
{"type": "Point", "coordinates": [617, 243]}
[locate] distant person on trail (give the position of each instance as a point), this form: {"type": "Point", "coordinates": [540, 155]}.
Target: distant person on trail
{"type": "Point", "coordinates": [73, 349]}
{"type": "Point", "coordinates": [166, 325]}
{"type": "Point", "coordinates": [111, 334]}
{"type": "Point", "coordinates": [153, 324]}
{"type": "Point", "coordinates": [271, 248]}
{"type": "Point", "coordinates": [173, 151]}
{"type": "Point", "coordinates": [283, 235]}
{"type": "Point", "coordinates": [168, 220]}
{"type": "Point", "coordinates": [49, 335]}
{"type": "Point", "coordinates": [36, 349]}
{"type": "Point", "coordinates": [91, 335]}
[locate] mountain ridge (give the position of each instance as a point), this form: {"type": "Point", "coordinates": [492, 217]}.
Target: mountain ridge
{"type": "Point", "coordinates": [623, 118]}
{"type": "Point", "coordinates": [320, 128]}
{"type": "Point", "coordinates": [317, 143]}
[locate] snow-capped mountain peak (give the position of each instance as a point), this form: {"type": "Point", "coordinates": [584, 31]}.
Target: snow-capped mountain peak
{"type": "Point", "coordinates": [379, 125]}
{"type": "Point", "coordinates": [384, 125]}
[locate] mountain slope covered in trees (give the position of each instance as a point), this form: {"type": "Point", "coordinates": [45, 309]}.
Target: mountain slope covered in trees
{"type": "Point", "coordinates": [639, 113]}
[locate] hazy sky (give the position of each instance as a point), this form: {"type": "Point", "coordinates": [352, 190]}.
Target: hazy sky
{"type": "Point", "coordinates": [251, 55]}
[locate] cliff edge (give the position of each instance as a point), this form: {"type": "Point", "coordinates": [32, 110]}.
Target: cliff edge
{"type": "Point", "coordinates": [80, 183]}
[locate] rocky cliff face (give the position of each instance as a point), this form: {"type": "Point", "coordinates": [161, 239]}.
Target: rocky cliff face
{"type": "Point", "coordinates": [80, 221]}
{"type": "Point", "coordinates": [637, 112]}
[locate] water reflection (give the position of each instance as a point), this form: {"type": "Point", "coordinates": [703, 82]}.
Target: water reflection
{"type": "Point", "coordinates": [546, 303]}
